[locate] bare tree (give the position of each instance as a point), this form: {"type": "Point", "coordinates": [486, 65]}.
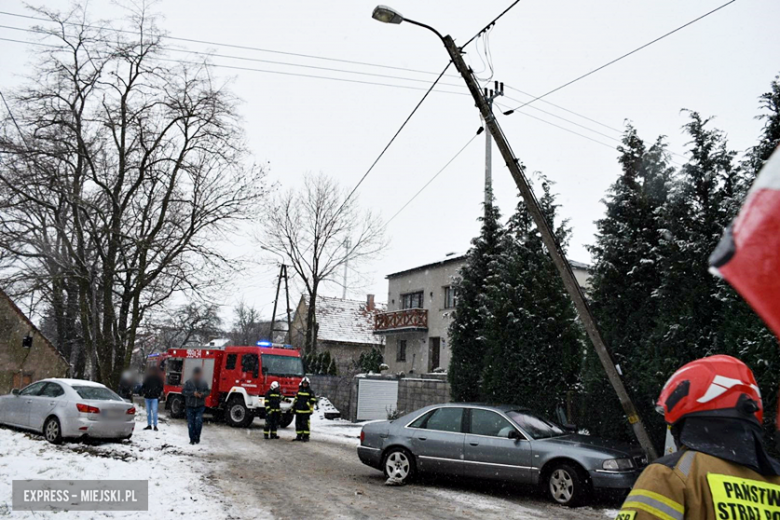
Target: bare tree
{"type": "Point", "coordinates": [320, 230]}
{"type": "Point", "coordinates": [119, 172]}
{"type": "Point", "coordinates": [247, 326]}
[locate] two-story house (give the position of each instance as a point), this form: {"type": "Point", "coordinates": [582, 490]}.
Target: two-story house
{"type": "Point", "coordinates": [420, 302]}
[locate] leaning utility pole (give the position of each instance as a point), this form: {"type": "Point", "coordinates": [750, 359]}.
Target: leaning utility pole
{"type": "Point", "coordinates": [551, 243]}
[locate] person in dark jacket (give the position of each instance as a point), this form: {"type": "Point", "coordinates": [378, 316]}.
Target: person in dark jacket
{"type": "Point", "coordinates": [303, 405]}
{"type": "Point", "coordinates": [125, 388]}
{"type": "Point", "coordinates": [152, 390]}
{"type": "Point", "coordinates": [273, 410]}
{"type": "Point", "coordinates": [195, 392]}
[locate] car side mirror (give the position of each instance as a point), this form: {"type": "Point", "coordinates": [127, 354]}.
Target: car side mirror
{"type": "Point", "coordinates": [570, 428]}
{"type": "Point", "coordinates": [514, 434]}
{"type": "Point", "coordinates": [265, 370]}
{"type": "Point", "coordinates": [15, 391]}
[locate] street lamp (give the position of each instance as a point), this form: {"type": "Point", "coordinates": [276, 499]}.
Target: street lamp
{"type": "Point", "coordinates": [385, 14]}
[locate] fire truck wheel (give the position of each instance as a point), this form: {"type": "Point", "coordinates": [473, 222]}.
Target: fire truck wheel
{"type": "Point", "coordinates": [237, 414]}
{"type": "Point", "coordinates": [286, 420]}
{"type": "Point", "coordinates": [176, 406]}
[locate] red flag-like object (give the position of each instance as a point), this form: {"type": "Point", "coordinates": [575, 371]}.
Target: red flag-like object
{"type": "Point", "coordinates": [748, 256]}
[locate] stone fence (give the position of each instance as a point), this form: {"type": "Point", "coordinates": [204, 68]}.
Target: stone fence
{"type": "Point", "coordinates": [413, 392]}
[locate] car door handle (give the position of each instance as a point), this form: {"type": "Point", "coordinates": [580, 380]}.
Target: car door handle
{"type": "Point", "coordinates": [474, 443]}
{"type": "Point", "coordinates": [422, 438]}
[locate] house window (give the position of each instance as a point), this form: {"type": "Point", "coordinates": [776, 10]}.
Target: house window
{"type": "Point", "coordinates": [400, 353]}
{"type": "Point", "coordinates": [450, 297]}
{"type": "Point", "coordinates": [412, 300]}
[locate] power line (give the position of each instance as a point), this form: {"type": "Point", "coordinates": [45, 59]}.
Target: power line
{"type": "Point", "coordinates": [259, 60]}
{"type": "Point", "coordinates": [400, 78]}
{"type": "Point", "coordinates": [432, 178]}
{"type": "Point", "coordinates": [233, 46]}
{"type": "Point", "coordinates": [492, 22]}
{"type": "Point", "coordinates": [621, 57]}
{"type": "Point", "coordinates": [267, 71]}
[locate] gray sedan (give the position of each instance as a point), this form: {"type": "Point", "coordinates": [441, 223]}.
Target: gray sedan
{"type": "Point", "coordinates": [68, 408]}
{"type": "Point", "coordinates": [498, 442]}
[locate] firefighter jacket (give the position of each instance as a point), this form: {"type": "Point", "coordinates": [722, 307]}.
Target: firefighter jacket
{"type": "Point", "coordinates": [273, 400]}
{"type": "Point", "coordinates": [304, 400]}
{"type": "Point", "coordinates": [690, 485]}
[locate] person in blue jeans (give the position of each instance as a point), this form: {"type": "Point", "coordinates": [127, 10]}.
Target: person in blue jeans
{"type": "Point", "coordinates": [195, 392]}
{"type": "Point", "coordinates": [152, 390]}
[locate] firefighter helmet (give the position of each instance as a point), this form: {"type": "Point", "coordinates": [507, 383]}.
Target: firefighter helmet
{"type": "Point", "coordinates": [305, 380]}
{"type": "Point", "coordinates": [274, 385]}
{"type": "Point", "coordinates": [712, 384]}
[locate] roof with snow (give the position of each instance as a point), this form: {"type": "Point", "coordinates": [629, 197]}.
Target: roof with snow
{"type": "Point", "coordinates": [347, 321]}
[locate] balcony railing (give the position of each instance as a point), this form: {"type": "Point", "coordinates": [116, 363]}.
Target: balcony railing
{"type": "Point", "coordinates": [399, 321]}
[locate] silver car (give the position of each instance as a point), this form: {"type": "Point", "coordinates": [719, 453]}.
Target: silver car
{"type": "Point", "coordinates": [498, 442]}
{"type": "Point", "coordinates": [68, 408]}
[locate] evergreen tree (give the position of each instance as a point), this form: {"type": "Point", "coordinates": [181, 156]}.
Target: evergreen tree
{"type": "Point", "coordinates": [473, 308]}
{"type": "Point", "coordinates": [770, 136]}
{"type": "Point", "coordinates": [624, 276]}
{"type": "Point", "coordinates": [533, 339]}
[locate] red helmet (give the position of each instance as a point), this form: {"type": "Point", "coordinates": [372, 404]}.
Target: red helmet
{"type": "Point", "coordinates": [710, 384]}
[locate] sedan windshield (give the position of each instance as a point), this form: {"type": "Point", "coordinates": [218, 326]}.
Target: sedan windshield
{"type": "Point", "coordinates": [97, 393]}
{"type": "Point", "coordinates": [282, 365]}
{"type": "Point", "coordinates": [536, 426]}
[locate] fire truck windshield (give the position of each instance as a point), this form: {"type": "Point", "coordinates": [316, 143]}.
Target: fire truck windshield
{"type": "Point", "coordinates": [282, 365]}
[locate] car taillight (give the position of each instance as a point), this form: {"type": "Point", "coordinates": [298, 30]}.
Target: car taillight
{"type": "Point", "coordinates": [362, 436]}
{"type": "Point", "coordinates": [85, 408]}
{"type": "Point", "coordinates": [131, 411]}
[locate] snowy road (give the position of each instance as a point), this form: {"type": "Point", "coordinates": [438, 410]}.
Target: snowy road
{"type": "Point", "coordinates": [325, 479]}
{"type": "Point", "coordinates": [235, 474]}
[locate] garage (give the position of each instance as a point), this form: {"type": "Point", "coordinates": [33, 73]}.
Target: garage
{"type": "Point", "coordinates": [376, 399]}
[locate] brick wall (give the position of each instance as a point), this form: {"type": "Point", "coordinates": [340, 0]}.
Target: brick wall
{"type": "Point", "coordinates": [23, 365]}
{"type": "Point", "coordinates": [341, 391]}
{"type": "Point", "coordinates": [413, 393]}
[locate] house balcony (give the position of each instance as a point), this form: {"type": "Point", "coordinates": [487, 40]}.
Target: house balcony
{"type": "Point", "coordinates": [407, 320]}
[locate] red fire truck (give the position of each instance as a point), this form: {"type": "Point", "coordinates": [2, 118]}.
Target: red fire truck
{"type": "Point", "coordinates": [238, 377]}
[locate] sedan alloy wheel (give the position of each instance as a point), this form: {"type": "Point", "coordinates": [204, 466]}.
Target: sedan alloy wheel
{"type": "Point", "coordinates": [398, 465]}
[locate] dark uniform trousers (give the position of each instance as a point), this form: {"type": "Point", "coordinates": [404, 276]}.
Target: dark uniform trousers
{"type": "Point", "coordinates": [303, 406]}
{"type": "Point", "coordinates": [273, 413]}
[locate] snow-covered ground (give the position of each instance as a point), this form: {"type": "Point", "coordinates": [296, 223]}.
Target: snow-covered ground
{"type": "Point", "coordinates": [177, 487]}
{"type": "Point", "coordinates": [335, 430]}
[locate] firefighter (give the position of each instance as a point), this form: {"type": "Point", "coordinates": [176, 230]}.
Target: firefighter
{"type": "Point", "coordinates": [303, 405]}
{"type": "Point", "coordinates": [721, 470]}
{"type": "Point", "coordinates": [273, 410]}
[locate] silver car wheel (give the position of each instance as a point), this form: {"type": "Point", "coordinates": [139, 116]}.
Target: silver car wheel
{"type": "Point", "coordinates": [561, 486]}
{"type": "Point", "coordinates": [237, 413]}
{"type": "Point", "coordinates": [397, 465]}
{"type": "Point", "coordinates": [52, 432]}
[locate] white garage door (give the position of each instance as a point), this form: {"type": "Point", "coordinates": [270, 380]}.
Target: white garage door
{"type": "Point", "coordinates": [376, 399]}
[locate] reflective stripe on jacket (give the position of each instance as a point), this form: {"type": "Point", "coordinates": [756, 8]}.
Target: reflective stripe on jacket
{"type": "Point", "coordinates": [273, 400]}
{"type": "Point", "coordinates": [304, 400]}
{"type": "Point", "coordinates": [689, 485]}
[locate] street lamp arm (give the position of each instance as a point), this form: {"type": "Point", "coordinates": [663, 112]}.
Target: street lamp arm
{"type": "Point", "coordinates": [425, 26]}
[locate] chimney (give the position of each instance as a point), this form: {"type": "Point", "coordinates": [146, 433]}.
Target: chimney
{"type": "Point", "coordinates": [370, 302]}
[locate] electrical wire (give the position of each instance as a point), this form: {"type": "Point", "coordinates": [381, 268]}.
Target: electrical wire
{"type": "Point", "coordinates": [392, 139]}
{"type": "Point", "coordinates": [446, 165]}
{"type": "Point", "coordinates": [230, 45]}
{"type": "Point", "coordinates": [492, 22]}
{"type": "Point", "coordinates": [242, 58]}
{"type": "Point", "coordinates": [556, 89]}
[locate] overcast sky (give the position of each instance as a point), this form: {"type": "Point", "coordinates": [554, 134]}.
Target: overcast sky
{"type": "Point", "coordinates": [718, 66]}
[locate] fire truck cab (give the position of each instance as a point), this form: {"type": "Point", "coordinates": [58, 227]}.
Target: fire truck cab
{"type": "Point", "coordinates": [238, 377]}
